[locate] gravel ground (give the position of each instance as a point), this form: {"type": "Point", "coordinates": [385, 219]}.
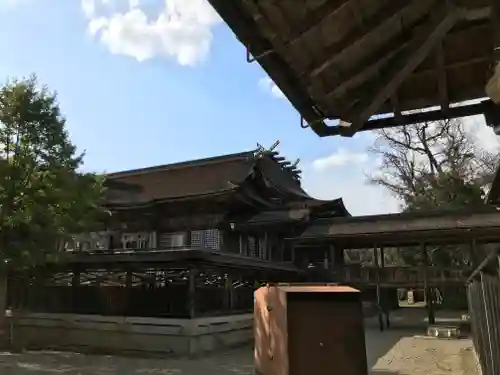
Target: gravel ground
{"type": "Point", "coordinates": [394, 352]}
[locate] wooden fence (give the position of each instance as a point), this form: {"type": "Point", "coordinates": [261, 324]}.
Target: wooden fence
{"type": "Point", "coordinates": [483, 293]}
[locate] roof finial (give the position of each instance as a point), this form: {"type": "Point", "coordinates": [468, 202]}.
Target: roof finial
{"type": "Point", "coordinates": [261, 150]}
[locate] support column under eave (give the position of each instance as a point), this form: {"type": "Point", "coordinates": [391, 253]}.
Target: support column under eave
{"type": "Point", "coordinates": [75, 285]}
{"type": "Point", "coordinates": [388, 292]}
{"type": "Point", "coordinates": [429, 295]}
{"type": "Point", "coordinates": [379, 296]}
{"type": "Point", "coordinates": [230, 293]}
{"type": "Point", "coordinates": [4, 333]}
{"type": "Point", "coordinates": [191, 297]}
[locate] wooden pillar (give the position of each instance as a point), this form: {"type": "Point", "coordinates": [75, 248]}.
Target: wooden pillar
{"type": "Point", "coordinates": [128, 279]}
{"type": "Point", "coordinates": [379, 299]}
{"type": "Point", "coordinates": [75, 285]}
{"type": "Point", "coordinates": [128, 292]}
{"type": "Point", "coordinates": [326, 261]}
{"type": "Point", "coordinates": [4, 331]}
{"type": "Point", "coordinates": [473, 253]}
{"type": "Point", "coordinates": [387, 309]}
{"type": "Point", "coordinates": [240, 239]}
{"type": "Point", "coordinates": [191, 298]}
{"type": "Point", "coordinates": [229, 293]}
{"type": "Point", "coordinates": [429, 297]}
{"type": "Point", "coordinates": [331, 257]}
{"type": "Point", "coordinates": [265, 246]}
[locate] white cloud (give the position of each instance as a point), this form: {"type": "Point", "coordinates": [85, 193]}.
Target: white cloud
{"type": "Point", "coordinates": [181, 31]}
{"type": "Point", "coordinates": [339, 158]}
{"type": "Point", "coordinates": [89, 8]}
{"type": "Point", "coordinates": [485, 136]}
{"type": "Point", "coordinates": [11, 3]}
{"type": "Point", "coordinates": [268, 85]}
{"type": "Point", "coordinates": [360, 198]}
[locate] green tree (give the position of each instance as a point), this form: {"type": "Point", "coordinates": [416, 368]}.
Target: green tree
{"type": "Point", "coordinates": [43, 195]}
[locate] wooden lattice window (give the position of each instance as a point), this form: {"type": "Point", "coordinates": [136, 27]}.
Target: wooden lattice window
{"type": "Point", "coordinates": [170, 240]}
{"type": "Point", "coordinates": [251, 246]}
{"type": "Point", "coordinates": [140, 240]}
{"type": "Point", "coordinates": [206, 238]}
{"type": "Point", "coordinates": [262, 248]}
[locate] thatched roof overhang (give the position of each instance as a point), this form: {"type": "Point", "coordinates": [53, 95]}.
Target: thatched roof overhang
{"type": "Point", "coordinates": [353, 59]}
{"type": "Point", "coordinates": [406, 229]}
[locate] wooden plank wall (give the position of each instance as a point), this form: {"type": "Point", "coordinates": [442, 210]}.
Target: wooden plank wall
{"type": "Point", "coordinates": [129, 335]}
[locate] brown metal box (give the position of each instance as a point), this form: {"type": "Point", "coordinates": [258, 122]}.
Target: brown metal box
{"type": "Point", "coordinates": [304, 329]}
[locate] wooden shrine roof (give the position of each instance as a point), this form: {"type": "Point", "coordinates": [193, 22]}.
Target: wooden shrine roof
{"type": "Point", "coordinates": [406, 229]}
{"type": "Point", "coordinates": [191, 178]}
{"type": "Point", "coordinates": [219, 176]}
{"type": "Point", "coordinates": [352, 59]}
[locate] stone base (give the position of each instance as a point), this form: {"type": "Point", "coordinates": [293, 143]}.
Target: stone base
{"type": "Point", "coordinates": [130, 336]}
{"type": "Point", "coordinates": [449, 332]}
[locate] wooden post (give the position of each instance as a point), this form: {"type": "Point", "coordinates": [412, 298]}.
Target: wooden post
{"type": "Point", "coordinates": [75, 284]}
{"type": "Point", "coordinates": [331, 257]}
{"type": "Point", "coordinates": [387, 309]}
{"type": "Point", "coordinates": [242, 252]}
{"type": "Point", "coordinates": [379, 299]}
{"type": "Point", "coordinates": [428, 290]}
{"type": "Point", "coordinates": [191, 300]}
{"type": "Point", "coordinates": [128, 291]}
{"type": "Point", "coordinates": [473, 253]}
{"type": "Point", "coordinates": [265, 246]}
{"type": "Point", "coordinates": [230, 294]}
{"type": "Point", "coordinates": [4, 331]}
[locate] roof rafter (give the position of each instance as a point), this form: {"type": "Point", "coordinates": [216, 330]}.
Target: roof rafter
{"type": "Point", "coordinates": [393, 14]}
{"type": "Point", "coordinates": [442, 79]}
{"type": "Point", "coordinates": [419, 48]}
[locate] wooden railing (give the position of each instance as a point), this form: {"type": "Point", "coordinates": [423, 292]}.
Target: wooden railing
{"type": "Point", "coordinates": [401, 275]}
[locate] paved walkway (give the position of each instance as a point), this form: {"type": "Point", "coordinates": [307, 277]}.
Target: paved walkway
{"type": "Point", "coordinates": [395, 352]}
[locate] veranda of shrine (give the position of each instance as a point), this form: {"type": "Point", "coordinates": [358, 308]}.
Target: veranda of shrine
{"type": "Point", "coordinates": [183, 254]}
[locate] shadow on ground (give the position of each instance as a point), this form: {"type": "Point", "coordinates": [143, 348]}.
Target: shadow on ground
{"type": "Point", "coordinates": [393, 352]}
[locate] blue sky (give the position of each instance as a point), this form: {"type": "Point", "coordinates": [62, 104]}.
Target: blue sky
{"type": "Point", "coordinates": [146, 82]}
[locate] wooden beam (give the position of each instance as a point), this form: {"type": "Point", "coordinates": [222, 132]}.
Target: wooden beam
{"type": "Point", "coordinates": [416, 118]}
{"type": "Point", "coordinates": [369, 69]}
{"type": "Point", "coordinates": [421, 46]}
{"type": "Point", "coordinates": [383, 20]}
{"type": "Point", "coordinates": [396, 107]}
{"type": "Point", "coordinates": [355, 77]}
{"type": "Point", "coordinates": [315, 18]}
{"type": "Point", "coordinates": [442, 79]}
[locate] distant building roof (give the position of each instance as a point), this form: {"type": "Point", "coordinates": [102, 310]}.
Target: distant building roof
{"type": "Point", "coordinates": [190, 178]}
{"type": "Point", "coordinates": [264, 176]}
